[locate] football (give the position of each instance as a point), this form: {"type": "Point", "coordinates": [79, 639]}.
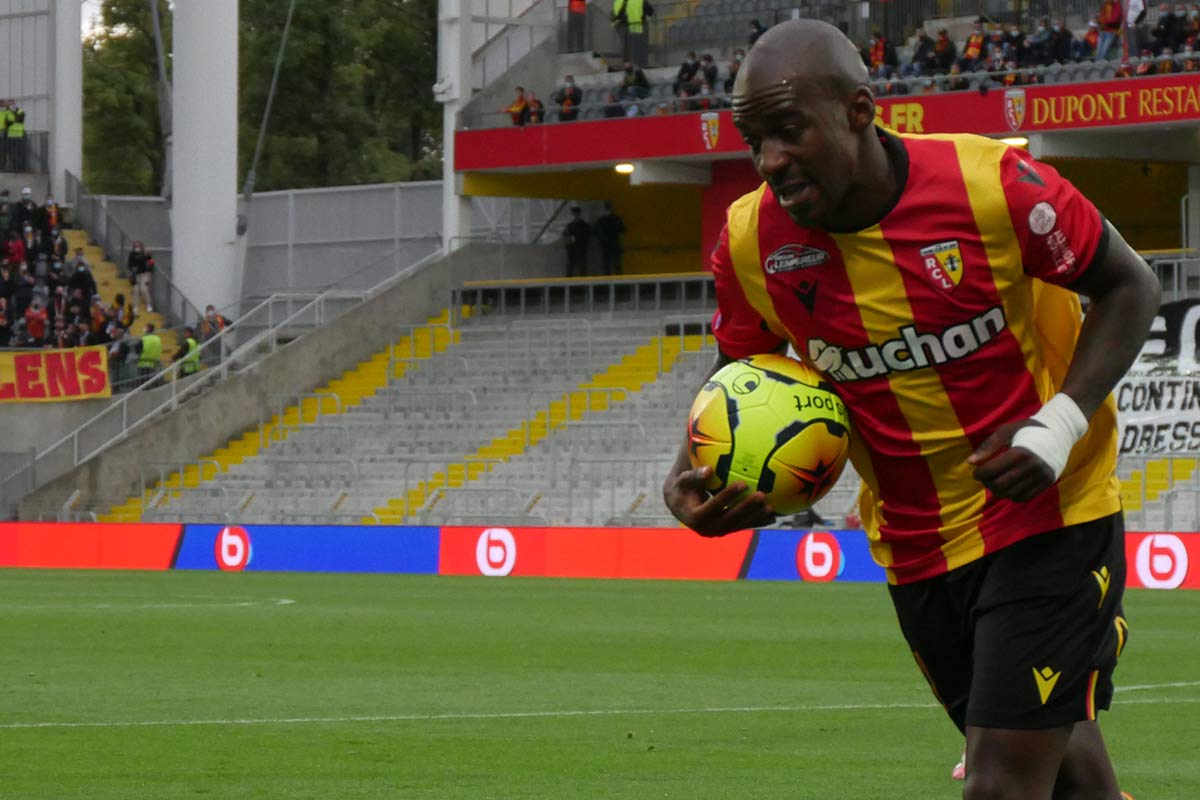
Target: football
{"type": "Point", "coordinates": [774, 424]}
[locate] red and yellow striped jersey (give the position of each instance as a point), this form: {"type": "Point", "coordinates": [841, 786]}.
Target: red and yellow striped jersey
{"type": "Point", "coordinates": [934, 333]}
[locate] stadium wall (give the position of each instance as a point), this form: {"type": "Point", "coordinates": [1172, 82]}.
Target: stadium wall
{"type": "Point", "coordinates": [233, 407]}
{"type": "Point", "coordinates": [1157, 560]}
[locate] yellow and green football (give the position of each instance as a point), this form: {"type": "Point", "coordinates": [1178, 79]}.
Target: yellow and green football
{"type": "Point", "coordinates": [774, 424]}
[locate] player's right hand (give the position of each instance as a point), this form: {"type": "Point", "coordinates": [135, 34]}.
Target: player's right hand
{"type": "Point", "coordinates": [716, 514]}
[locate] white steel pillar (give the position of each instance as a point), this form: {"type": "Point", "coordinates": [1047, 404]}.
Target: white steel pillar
{"type": "Point", "coordinates": [205, 263]}
{"type": "Point", "coordinates": [66, 138]}
{"type": "Point", "coordinates": [453, 90]}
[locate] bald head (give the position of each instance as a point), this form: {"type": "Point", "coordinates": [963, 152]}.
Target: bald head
{"type": "Point", "coordinates": [803, 50]}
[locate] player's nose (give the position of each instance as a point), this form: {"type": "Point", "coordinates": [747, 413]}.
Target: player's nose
{"type": "Point", "coordinates": [772, 157]}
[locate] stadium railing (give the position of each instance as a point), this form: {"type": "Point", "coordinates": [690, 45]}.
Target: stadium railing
{"type": "Point", "coordinates": [258, 333]}
{"type": "Point", "coordinates": [36, 158]}
{"type": "Point", "coordinates": [1179, 276]}
{"type": "Point", "coordinates": [474, 301]}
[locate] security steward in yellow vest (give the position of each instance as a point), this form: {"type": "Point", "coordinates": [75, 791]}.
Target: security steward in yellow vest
{"type": "Point", "coordinates": [188, 353]}
{"type": "Point", "coordinates": [149, 353]}
{"type": "Point", "coordinates": [7, 117]}
{"type": "Point", "coordinates": [16, 142]}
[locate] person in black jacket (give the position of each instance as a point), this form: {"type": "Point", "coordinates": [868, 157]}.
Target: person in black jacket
{"type": "Point", "coordinates": [576, 237]}
{"type": "Point", "coordinates": [608, 230]}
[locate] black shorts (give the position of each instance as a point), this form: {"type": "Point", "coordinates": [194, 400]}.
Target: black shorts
{"type": "Point", "coordinates": [1026, 637]}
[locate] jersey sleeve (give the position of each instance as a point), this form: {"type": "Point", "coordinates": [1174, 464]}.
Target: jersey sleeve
{"type": "Point", "coordinates": [739, 329]}
{"type": "Point", "coordinates": [1060, 231]}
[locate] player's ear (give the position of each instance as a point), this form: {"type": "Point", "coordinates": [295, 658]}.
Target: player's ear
{"type": "Point", "coordinates": [860, 111]}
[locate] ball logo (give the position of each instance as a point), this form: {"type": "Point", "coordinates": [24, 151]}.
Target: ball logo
{"type": "Point", "coordinates": [496, 552]}
{"type": "Point", "coordinates": [233, 549]}
{"type": "Point", "coordinates": [1162, 561]}
{"type": "Point", "coordinates": [819, 557]}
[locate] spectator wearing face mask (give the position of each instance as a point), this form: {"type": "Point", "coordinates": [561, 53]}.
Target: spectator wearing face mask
{"type": "Point", "coordinates": [924, 57]}
{"type": "Point", "coordinates": [25, 212]}
{"type": "Point", "coordinates": [24, 282]}
{"type": "Point", "coordinates": [1168, 29]}
{"type": "Point", "coordinates": [1062, 41]}
{"type": "Point", "coordinates": [82, 280]}
{"type": "Point", "coordinates": [708, 70]}
{"type": "Point", "coordinates": [1166, 62]}
{"type": "Point", "coordinates": [633, 85]}
{"type": "Point", "coordinates": [1014, 43]}
{"type": "Point", "coordinates": [1039, 47]}
{"type": "Point", "coordinates": [141, 268]}
{"type": "Point", "coordinates": [687, 72]}
{"type": "Point", "coordinates": [35, 321]}
{"type": "Point", "coordinates": [568, 98]}
{"type": "Point", "coordinates": [50, 216]}
{"type": "Point", "coordinates": [1191, 59]}
{"type": "Point", "coordinates": [212, 323]}
{"type": "Point", "coordinates": [756, 30]}
{"type": "Point", "coordinates": [1191, 26]}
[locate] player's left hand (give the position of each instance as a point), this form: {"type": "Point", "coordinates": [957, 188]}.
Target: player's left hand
{"type": "Point", "coordinates": [1013, 473]}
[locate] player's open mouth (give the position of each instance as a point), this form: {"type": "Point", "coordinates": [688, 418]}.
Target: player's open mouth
{"type": "Point", "coordinates": [794, 194]}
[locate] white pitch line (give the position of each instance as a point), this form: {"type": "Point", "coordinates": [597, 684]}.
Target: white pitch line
{"type": "Point", "coordinates": [599, 712]}
{"type": "Point", "coordinates": [1149, 686]}
{"type": "Point", "coordinates": [283, 601]}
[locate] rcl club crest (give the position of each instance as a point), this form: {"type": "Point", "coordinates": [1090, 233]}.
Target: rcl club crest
{"type": "Point", "coordinates": [1014, 108]}
{"type": "Point", "coordinates": [710, 128]}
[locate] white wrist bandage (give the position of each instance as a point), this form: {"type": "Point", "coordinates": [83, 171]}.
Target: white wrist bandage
{"type": "Point", "coordinates": [1065, 425]}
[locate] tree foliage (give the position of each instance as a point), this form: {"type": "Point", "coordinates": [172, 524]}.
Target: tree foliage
{"type": "Point", "coordinates": [353, 104]}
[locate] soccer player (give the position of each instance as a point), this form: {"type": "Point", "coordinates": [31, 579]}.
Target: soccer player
{"type": "Point", "coordinates": [933, 281]}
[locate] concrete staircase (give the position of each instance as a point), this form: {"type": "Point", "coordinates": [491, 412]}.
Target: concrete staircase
{"type": "Point", "coordinates": [344, 392]}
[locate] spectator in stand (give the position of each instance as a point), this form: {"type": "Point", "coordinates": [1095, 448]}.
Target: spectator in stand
{"type": "Point", "coordinates": [518, 111]}
{"type": "Point", "coordinates": [883, 56]}
{"type": "Point", "coordinates": [924, 56]}
{"type": "Point", "coordinates": [118, 358]}
{"type": "Point", "coordinates": [1039, 47]}
{"type": "Point", "coordinates": [535, 110]}
{"type": "Point", "coordinates": [212, 323]}
{"type": "Point", "coordinates": [125, 315]}
{"type": "Point", "coordinates": [57, 244]}
{"type": "Point", "coordinates": [756, 30]}
{"type": "Point", "coordinates": [708, 70]}
{"type": "Point", "coordinates": [944, 51]}
{"type": "Point", "coordinates": [56, 276]}
{"type": "Point", "coordinates": [76, 308]}
{"type": "Point", "coordinates": [1124, 69]}
{"type": "Point", "coordinates": [734, 66]}
{"type": "Point", "coordinates": [1110, 28]}
{"type": "Point", "coordinates": [35, 322]}
{"type": "Point", "coordinates": [576, 236]}
{"type": "Point", "coordinates": [5, 322]}
{"type": "Point", "coordinates": [14, 249]}
{"type": "Point", "coordinates": [612, 106]}
{"type": "Point", "coordinates": [80, 258]}
{"type": "Point", "coordinates": [996, 37]}
{"type": "Point", "coordinates": [1191, 59]}
{"type": "Point", "coordinates": [83, 336]}
{"type": "Point", "coordinates": [633, 85]}
{"type": "Point", "coordinates": [50, 215]}
{"type": "Point", "coordinates": [60, 336]}
{"type": "Point", "coordinates": [1015, 44]}
{"type": "Point", "coordinates": [608, 231]}
{"type": "Point", "coordinates": [141, 268]}
{"type": "Point", "coordinates": [994, 62]}
{"type": "Point", "coordinates": [973, 48]}
{"type": "Point", "coordinates": [957, 81]}
{"type": "Point", "coordinates": [687, 72]}
{"type": "Point", "coordinates": [1062, 41]}
{"type": "Point", "coordinates": [576, 25]}
{"type": "Point", "coordinates": [1167, 63]}
{"type": "Point", "coordinates": [6, 210]}
{"type": "Point", "coordinates": [1012, 75]}
{"type": "Point", "coordinates": [98, 316]}
{"type": "Point", "coordinates": [1085, 48]}
{"type": "Point", "coordinates": [569, 98]}
{"type": "Point", "coordinates": [1146, 66]}
{"type": "Point", "coordinates": [1191, 26]}
{"type": "Point", "coordinates": [1168, 30]}
{"type": "Point", "coordinates": [25, 212]}
{"type": "Point", "coordinates": [82, 280]}
{"type": "Point", "coordinates": [24, 283]}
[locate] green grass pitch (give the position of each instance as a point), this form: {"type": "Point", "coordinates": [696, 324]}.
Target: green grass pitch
{"type": "Point", "coordinates": [206, 685]}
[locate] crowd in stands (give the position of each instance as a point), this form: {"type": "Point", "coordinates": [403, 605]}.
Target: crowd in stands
{"type": "Point", "coordinates": [1009, 55]}
{"type": "Point", "coordinates": [13, 155]}
{"type": "Point", "coordinates": [49, 298]}
{"type": "Point", "coordinates": [992, 54]}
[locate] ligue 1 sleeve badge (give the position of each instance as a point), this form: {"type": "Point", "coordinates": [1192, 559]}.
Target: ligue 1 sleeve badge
{"type": "Point", "coordinates": [710, 128]}
{"type": "Point", "coordinates": [1014, 108]}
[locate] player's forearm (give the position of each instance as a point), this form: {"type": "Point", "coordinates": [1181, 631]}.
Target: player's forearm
{"type": "Point", "coordinates": [1113, 333]}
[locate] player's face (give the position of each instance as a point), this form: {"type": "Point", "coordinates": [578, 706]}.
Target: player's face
{"type": "Point", "coordinates": [802, 144]}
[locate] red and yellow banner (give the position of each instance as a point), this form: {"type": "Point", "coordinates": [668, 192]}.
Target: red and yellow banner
{"type": "Point", "coordinates": [42, 376]}
{"type": "Point", "coordinates": [999, 111]}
